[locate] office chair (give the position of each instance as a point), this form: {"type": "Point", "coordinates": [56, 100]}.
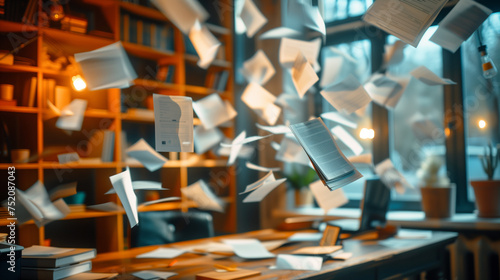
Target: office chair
{"type": "Point", "coordinates": [163, 227]}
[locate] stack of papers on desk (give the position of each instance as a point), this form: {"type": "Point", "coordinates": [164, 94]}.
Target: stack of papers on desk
{"type": "Point", "coordinates": [262, 188]}
{"type": "Point", "coordinates": [107, 67]}
{"type": "Point", "coordinates": [329, 162]}
{"type": "Point", "coordinates": [146, 155]}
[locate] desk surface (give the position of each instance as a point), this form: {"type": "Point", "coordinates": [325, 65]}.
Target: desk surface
{"type": "Point", "coordinates": [371, 259]}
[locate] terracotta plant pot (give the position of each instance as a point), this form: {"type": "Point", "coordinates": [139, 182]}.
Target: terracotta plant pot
{"type": "Point", "coordinates": [303, 197]}
{"type": "Point", "coordinates": [487, 198]}
{"type": "Point", "coordinates": [438, 202]}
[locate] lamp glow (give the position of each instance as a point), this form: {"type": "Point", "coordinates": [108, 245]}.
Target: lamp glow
{"type": "Point", "coordinates": [78, 83]}
{"type": "Point", "coordinates": [481, 124]}
{"type": "Point", "coordinates": [367, 133]}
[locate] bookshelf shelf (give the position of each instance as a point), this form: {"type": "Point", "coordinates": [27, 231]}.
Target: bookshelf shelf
{"type": "Point", "coordinates": [9, 26]}
{"type": "Point", "coordinates": [216, 63]}
{"type": "Point", "coordinates": [201, 90]}
{"type": "Point", "coordinates": [18, 68]}
{"type": "Point", "coordinates": [19, 109]}
{"type": "Point", "coordinates": [146, 52]}
{"type": "Point", "coordinates": [67, 39]}
{"type": "Point", "coordinates": [182, 163]}
{"type": "Point", "coordinates": [99, 113]}
{"type": "Point", "coordinates": [19, 165]}
{"type": "Point", "coordinates": [79, 165]}
{"type": "Point", "coordinates": [152, 84]}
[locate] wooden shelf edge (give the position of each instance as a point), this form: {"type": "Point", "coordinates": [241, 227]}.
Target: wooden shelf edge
{"type": "Point", "coordinates": [18, 68]}
{"type": "Point", "coordinates": [19, 165]}
{"type": "Point", "coordinates": [77, 165]}
{"type": "Point", "coordinates": [12, 26]}
{"type": "Point", "coordinates": [146, 52]}
{"type": "Point", "coordinates": [19, 109]}
{"type": "Point", "coordinates": [185, 163]}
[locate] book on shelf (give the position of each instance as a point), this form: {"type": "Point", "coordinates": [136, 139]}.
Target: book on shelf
{"type": "Point", "coordinates": [73, 256]}
{"type": "Point", "coordinates": [165, 73]}
{"type": "Point", "coordinates": [30, 273]}
{"type": "Point", "coordinates": [49, 90]}
{"type": "Point", "coordinates": [108, 146]}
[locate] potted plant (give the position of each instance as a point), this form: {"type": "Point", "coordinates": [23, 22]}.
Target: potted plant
{"type": "Point", "coordinates": [487, 192]}
{"type": "Point", "coordinates": [299, 179]}
{"type": "Point", "coordinates": [435, 188]}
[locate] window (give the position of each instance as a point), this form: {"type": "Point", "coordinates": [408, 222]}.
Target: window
{"type": "Point", "coordinates": [335, 10]}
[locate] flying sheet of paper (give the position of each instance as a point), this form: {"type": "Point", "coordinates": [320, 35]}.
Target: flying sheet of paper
{"type": "Point", "coordinates": [245, 151]}
{"type": "Point", "coordinates": [249, 248]}
{"type": "Point", "coordinates": [252, 166]}
{"type": "Point", "coordinates": [306, 236]}
{"type": "Point", "coordinates": [238, 143]}
{"type": "Point", "coordinates": [37, 250]}
{"type": "Point", "coordinates": [341, 255]}
{"type": "Point", "coordinates": [347, 139]}
{"type": "Point", "coordinates": [183, 13]}
{"type": "Point", "coordinates": [289, 48]}
{"type": "Point", "coordinates": [203, 196]}
{"type": "Point", "coordinates": [303, 75]}
{"type": "Point", "coordinates": [459, 24]}
{"type": "Point", "coordinates": [337, 65]}
{"type": "Point", "coordinates": [213, 111]}
{"type": "Point", "coordinates": [161, 200]}
{"type": "Point", "coordinates": [298, 262]}
{"type": "Point", "coordinates": [258, 69]}
{"type": "Point", "coordinates": [205, 44]}
{"type": "Point", "coordinates": [106, 67]}
{"type": "Point", "coordinates": [347, 95]}
{"type": "Point", "coordinates": [407, 20]}
{"type": "Point", "coordinates": [277, 129]}
{"type": "Point", "coordinates": [153, 274]}
{"type": "Point", "coordinates": [291, 151]}
{"type": "Point", "coordinates": [144, 153]}
{"type": "Point", "coordinates": [328, 160]}
{"type": "Point", "coordinates": [173, 123]}
{"type": "Point", "coordinates": [394, 53]}
{"type": "Point", "coordinates": [106, 207]}
{"type": "Point", "coordinates": [327, 199]}
{"type": "Point", "coordinates": [205, 139]}
{"type": "Point", "coordinates": [53, 112]}
{"type": "Point", "coordinates": [68, 157]}
{"type": "Point", "coordinates": [261, 102]}
{"type": "Point", "coordinates": [386, 90]}
{"type": "Point", "coordinates": [63, 190]}
{"type": "Point", "coordinates": [340, 119]}
{"type": "Point", "coordinates": [162, 253]}
{"type": "Point", "coordinates": [428, 77]}
{"type": "Point", "coordinates": [262, 187]}
{"type": "Point", "coordinates": [252, 18]}
{"type": "Point", "coordinates": [307, 14]}
{"type": "Point", "coordinates": [425, 128]}
{"type": "Point", "coordinates": [280, 32]}
{"type": "Point", "coordinates": [73, 122]}
{"type": "Point", "coordinates": [391, 177]}
{"type": "Point", "coordinates": [142, 186]}
{"type": "Point", "coordinates": [122, 183]}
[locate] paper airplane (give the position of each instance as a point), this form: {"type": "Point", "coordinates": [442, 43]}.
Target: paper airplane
{"type": "Point", "coordinates": [144, 153]}
{"type": "Point", "coordinates": [142, 186]}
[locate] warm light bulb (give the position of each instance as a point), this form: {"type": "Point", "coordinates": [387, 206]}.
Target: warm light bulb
{"type": "Point", "coordinates": [78, 83]}
{"type": "Point", "coordinates": [481, 124]}
{"type": "Point", "coordinates": [489, 68]}
{"type": "Point", "coordinates": [367, 133]}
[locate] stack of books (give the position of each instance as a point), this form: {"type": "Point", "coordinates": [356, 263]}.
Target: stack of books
{"type": "Point", "coordinates": [74, 24]}
{"type": "Point", "coordinates": [41, 262]}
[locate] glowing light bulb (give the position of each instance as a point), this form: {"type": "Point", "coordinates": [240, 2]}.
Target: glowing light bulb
{"type": "Point", "coordinates": [78, 83]}
{"type": "Point", "coordinates": [367, 133]}
{"type": "Point", "coordinates": [481, 124]}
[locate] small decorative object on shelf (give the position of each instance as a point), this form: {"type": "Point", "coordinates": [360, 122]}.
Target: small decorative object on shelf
{"type": "Point", "coordinates": [437, 192]}
{"type": "Point", "coordinates": [487, 192]}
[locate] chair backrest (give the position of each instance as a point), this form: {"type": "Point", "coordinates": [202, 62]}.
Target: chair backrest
{"type": "Point", "coordinates": [164, 227]}
{"type": "Point", "coordinates": [374, 205]}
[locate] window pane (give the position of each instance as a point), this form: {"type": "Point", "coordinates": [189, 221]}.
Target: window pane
{"type": "Point", "coordinates": [417, 120]}
{"type": "Point", "coordinates": [342, 9]}
{"type": "Point", "coordinates": [481, 97]}
{"type": "Point", "coordinates": [360, 51]}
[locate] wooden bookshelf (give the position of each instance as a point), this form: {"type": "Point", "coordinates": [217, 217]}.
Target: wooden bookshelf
{"type": "Point", "coordinates": [106, 110]}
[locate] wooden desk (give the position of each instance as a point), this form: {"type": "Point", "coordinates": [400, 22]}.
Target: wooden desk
{"type": "Point", "coordinates": [391, 259]}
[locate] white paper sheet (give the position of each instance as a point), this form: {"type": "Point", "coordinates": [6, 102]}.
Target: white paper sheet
{"type": "Point", "coordinates": [205, 139]}
{"type": "Point", "coordinates": [203, 196]}
{"type": "Point", "coordinates": [205, 44]}
{"type": "Point", "coordinates": [307, 14]}
{"type": "Point", "coordinates": [280, 32]}
{"type": "Point", "coordinates": [407, 20]}
{"type": "Point", "coordinates": [289, 48]}
{"type": "Point", "coordinates": [306, 237]}
{"type": "Point", "coordinates": [386, 90]}
{"type": "Point", "coordinates": [261, 102]}
{"type": "Point", "coordinates": [340, 119]}
{"type": "Point", "coordinates": [327, 199]}
{"type": "Point", "coordinates": [153, 274]}
{"type": "Point", "coordinates": [291, 151]}
{"type": "Point", "coordinates": [91, 276]}
{"type": "Point", "coordinates": [146, 155]}
{"type": "Point", "coordinates": [303, 75]}
{"type": "Point", "coordinates": [37, 250]}
{"type": "Point", "coordinates": [394, 53]}
{"type": "Point", "coordinates": [106, 67]}
{"type": "Point", "coordinates": [249, 248]}
{"type": "Point", "coordinates": [261, 188]}
{"type": "Point", "coordinates": [277, 129]}
{"type": "Point", "coordinates": [428, 77]}
{"type": "Point", "coordinates": [68, 157]}
{"type": "Point", "coordinates": [348, 95]}
{"type": "Point", "coordinates": [253, 19]}
{"type": "Point", "coordinates": [122, 183]}
{"type": "Point", "coordinates": [73, 121]}
{"type": "Point", "coordinates": [391, 177]}
{"type": "Point", "coordinates": [106, 207]}
{"type": "Point", "coordinates": [351, 142]}
{"type": "Point", "coordinates": [298, 262]}
{"type": "Point", "coordinates": [162, 253]}
{"type": "Point", "coordinates": [258, 69]}
{"type": "Point", "coordinates": [337, 65]}
{"type": "Point", "coordinates": [459, 24]}
{"type": "Point", "coordinates": [173, 123]}
{"type": "Point", "coordinates": [142, 186]}
{"type": "Point", "coordinates": [183, 13]}
{"type": "Point", "coordinates": [252, 166]}
{"type": "Point", "coordinates": [213, 111]}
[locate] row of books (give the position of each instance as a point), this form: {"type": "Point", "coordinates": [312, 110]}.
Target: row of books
{"type": "Point", "coordinates": [143, 31]}
{"type": "Point", "coordinates": [27, 95]}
